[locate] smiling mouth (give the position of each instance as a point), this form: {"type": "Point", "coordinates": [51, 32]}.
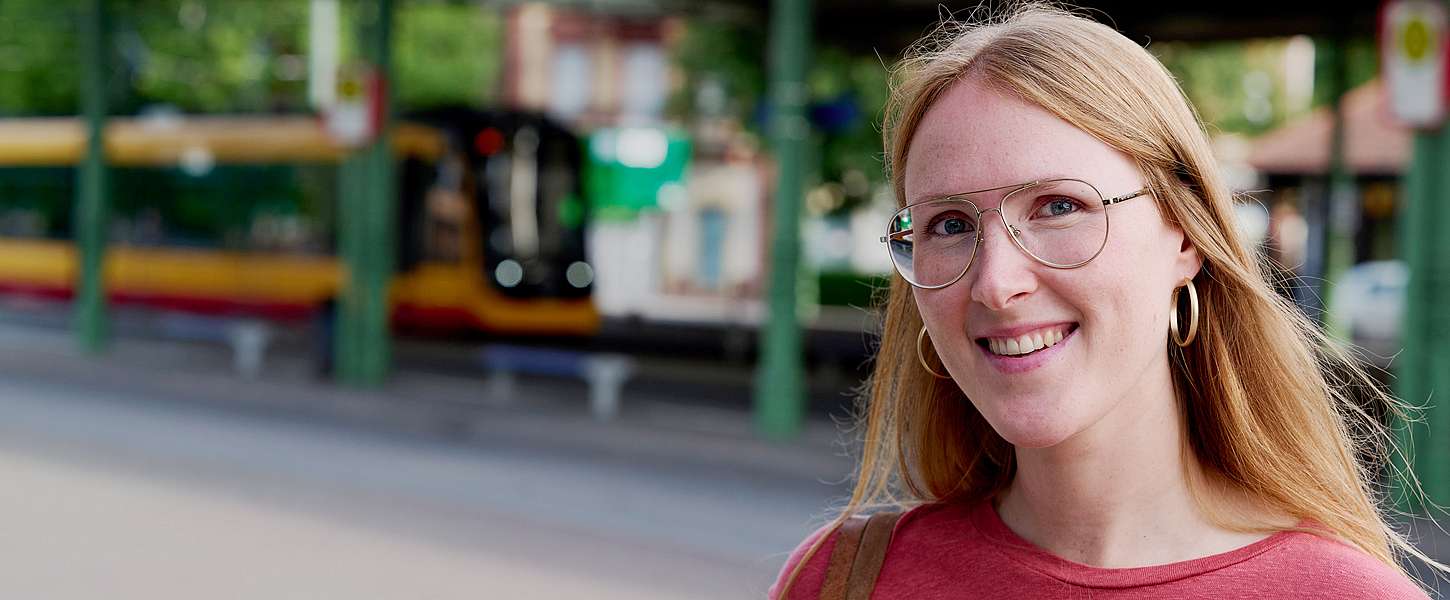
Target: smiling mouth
{"type": "Point", "coordinates": [1027, 343]}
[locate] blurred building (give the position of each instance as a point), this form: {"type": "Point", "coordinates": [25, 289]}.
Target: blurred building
{"type": "Point", "coordinates": [588, 69]}
{"type": "Point", "coordinates": [1367, 299]}
{"type": "Point", "coordinates": [671, 242]}
{"type": "Point", "coordinates": [1295, 161]}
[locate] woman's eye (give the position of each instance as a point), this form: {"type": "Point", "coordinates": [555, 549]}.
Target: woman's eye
{"type": "Point", "coordinates": [1057, 207]}
{"type": "Point", "coordinates": [951, 226]}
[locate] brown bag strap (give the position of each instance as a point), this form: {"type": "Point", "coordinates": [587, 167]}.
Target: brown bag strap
{"type": "Point", "coordinates": [857, 556]}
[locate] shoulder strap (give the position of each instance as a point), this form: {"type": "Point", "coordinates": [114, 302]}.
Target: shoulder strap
{"type": "Point", "coordinates": [857, 556]}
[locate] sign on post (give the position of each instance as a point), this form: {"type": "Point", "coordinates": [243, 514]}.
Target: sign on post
{"type": "Point", "coordinates": [355, 117]}
{"type": "Point", "coordinates": [1413, 53]}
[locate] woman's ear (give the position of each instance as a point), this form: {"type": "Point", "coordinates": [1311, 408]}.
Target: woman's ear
{"type": "Point", "coordinates": [1188, 262]}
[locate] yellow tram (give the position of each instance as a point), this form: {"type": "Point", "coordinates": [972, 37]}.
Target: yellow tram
{"type": "Point", "coordinates": [234, 215]}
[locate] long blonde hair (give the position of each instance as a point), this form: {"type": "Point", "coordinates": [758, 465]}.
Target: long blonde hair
{"type": "Point", "coordinates": [1267, 399]}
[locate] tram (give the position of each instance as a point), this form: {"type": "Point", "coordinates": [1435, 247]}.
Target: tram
{"type": "Point", "coordinates": [236, 216]}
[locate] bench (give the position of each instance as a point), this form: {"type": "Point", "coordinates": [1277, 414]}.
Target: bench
{"type": "Point", "coordinates": [247, 337]}
{"type": "Point", "coordinates": [604, 372]}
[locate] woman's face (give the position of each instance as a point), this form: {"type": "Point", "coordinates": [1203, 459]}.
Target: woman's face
{"type": "Point", "coordinates": [1113, 311]}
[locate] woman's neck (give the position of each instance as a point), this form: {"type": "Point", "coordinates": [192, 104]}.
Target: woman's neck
{"type": "Point", "coordinates": [1118, 493]}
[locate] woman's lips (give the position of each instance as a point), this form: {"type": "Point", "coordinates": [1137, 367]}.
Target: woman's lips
{"type": "Point", "coordinates": [1027, 341]}
{"type": "Point", "coordinates": [1021, 363]}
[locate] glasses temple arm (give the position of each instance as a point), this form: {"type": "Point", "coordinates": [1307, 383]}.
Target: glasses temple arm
{"type": "Point", "coordinates": [898, 236]}
{"type": "Point", "coordinates": [1112, 201]}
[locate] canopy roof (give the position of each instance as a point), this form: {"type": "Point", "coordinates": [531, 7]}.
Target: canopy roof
{"type": "Point", "coordinates": [1374, 144]}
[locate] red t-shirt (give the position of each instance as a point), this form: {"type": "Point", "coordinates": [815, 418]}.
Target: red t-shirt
{"type": "Point", "coordinates": [946, 551]}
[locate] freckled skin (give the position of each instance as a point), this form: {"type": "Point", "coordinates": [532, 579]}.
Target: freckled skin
{"type": "Point", "coordinates": [1113, 375]}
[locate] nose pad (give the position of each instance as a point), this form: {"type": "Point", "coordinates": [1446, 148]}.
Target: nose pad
{"type": "Point", "coordinates": [1011, 230]}
{"type": "Point", "coordinates": [1002, 272]}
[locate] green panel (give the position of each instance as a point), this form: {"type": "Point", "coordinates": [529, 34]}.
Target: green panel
{"type": "Point", "coordinates": [625, 169]}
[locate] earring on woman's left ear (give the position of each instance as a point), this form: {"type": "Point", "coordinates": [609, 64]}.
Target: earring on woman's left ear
{"type": "Point", "coordinates": [921, 356]}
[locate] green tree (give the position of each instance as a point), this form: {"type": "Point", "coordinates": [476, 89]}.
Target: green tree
{"type": "Point", "coordinates": [227, 56]}
{"type": "Point", "coordinates": [447, 53]}
{"type": "Point", "coordinates": [728, 59]}
{"type": "Point", "coordinates": [847, 89]}
{"type": "Point", "coordinates": [241, 56]}
{"type": "Point", "coordinates": [39, 50]}
{"type": "Point", "coordinates": [838, 80]}
{"type": "Point", "coordinates": [1239, 86]}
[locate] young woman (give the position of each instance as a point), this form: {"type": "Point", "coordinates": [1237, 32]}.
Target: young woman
{"type": "Point", "coordinates": [1085, 386]}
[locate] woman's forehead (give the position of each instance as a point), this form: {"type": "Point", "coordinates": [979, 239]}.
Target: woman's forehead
{"type": "Point", "coordinates": [974, 137]}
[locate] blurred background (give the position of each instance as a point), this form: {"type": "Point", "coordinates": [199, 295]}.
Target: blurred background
{"type": "Point", "coordinates": [486, 298]}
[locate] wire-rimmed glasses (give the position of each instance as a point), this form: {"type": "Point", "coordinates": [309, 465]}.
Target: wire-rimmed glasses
{"type": "Point", "coordinates": [1061, 223]}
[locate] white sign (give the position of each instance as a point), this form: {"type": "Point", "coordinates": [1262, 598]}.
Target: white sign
{"type": "Point", "coordinates": [1413, 44]}
{"type": "Point", "coordinates": [353, 118]}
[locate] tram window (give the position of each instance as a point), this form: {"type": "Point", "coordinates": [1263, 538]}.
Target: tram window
{"type": "Point", "coordinates": [36, 202]}
{"type": "Point", "coordinates": [447, 212]}
{"type": "Point", "coordinates": [530, 213]}
{"type": "Point", "coordinates": [265, 208]}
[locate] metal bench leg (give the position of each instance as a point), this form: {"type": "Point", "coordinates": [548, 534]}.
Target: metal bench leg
{"type": "Point", "coordinates": [248, 340]}
{"type": "Point", "coordinates": [500, 387]}
{"type": "Point", "coordinates": [606, 376]}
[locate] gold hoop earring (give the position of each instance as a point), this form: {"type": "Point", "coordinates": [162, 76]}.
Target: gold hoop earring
{"type": "Point", "coordinates": [1192, 315]}
{"type": "Point", "coordinates": [921, 356]}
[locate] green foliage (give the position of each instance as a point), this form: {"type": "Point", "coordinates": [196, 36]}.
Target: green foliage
{"type": "Point", "coordinates": [1233, 86]}
{"type": "Point", "coordinates": [245, 56]}
{"type": "Point", "coordinates": [1239, 86]}
{"type": "Point", "coordinates": [731, 58]}
{"type": "Point", "coordinates": [230, 56]}
{"type": "Point", "coordinates": [39, 53]}
{"type": "Point", "coordinates": [726, 56]}
{"type": "Point", "coordinates": [861, 80]}
{"type": "Point", "coordinates": [447, 54]}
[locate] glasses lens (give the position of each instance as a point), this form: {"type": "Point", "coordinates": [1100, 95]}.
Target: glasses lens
{"type": "Point", "coordinates": [932, 243]}
{"type": "Point", "coordinates": [1062, 223]}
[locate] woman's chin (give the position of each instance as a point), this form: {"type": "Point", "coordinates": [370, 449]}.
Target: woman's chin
{"type": "Point", "coordinates": [1034, 434]}
{"type": "Point", "coordinates": [1035, 420]}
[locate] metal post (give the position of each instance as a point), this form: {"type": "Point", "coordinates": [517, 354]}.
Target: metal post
{"type": "Point", "coordinates": [1339, 210]}
{"type": "Point", "coordinates": [780, 389]}
{"type": "Point", "coordinates": [90, 223]}
{"type": "Point", "coordinates": [351, 188]}
{"type": "Point", "coordinates": [366, 227]}
{"type": "Point", "coordinates": [1423, 369]}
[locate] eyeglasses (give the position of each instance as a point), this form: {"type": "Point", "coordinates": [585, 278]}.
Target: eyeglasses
{"type": "Point", "coordinates": [1061, 223]}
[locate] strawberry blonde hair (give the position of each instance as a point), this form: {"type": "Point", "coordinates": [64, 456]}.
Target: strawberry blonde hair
{"type": "Point", "coordinates": [1267, 400]}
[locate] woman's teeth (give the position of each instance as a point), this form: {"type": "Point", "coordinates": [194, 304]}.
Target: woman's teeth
{"type": "Point", "coordinates": [1027, 342]}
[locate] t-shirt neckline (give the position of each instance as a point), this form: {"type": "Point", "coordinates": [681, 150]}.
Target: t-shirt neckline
{"type": "Point", "coordinates": [991, 526]}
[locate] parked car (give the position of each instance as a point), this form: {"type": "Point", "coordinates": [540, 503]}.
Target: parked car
{"type": "Point", "coordinates": [1369, 304]}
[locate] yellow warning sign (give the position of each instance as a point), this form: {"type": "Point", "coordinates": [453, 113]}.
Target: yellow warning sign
{"type": "Point", "coordinates": [1415, 39]}
{"type": "Point", "coordinates": [1412, 46]}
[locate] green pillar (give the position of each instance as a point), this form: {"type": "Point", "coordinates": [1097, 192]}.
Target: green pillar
{"type": "Point", "coordinates": [366, 225]}
{"type": "Point", "coordinates": [90, 219]}
{"type": "Point", "coordinates": [780, 387]}
{"type": "Point", "coordinates": [1340, 211]}
{"type": "Point", "coordinates": [1423, 369]}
